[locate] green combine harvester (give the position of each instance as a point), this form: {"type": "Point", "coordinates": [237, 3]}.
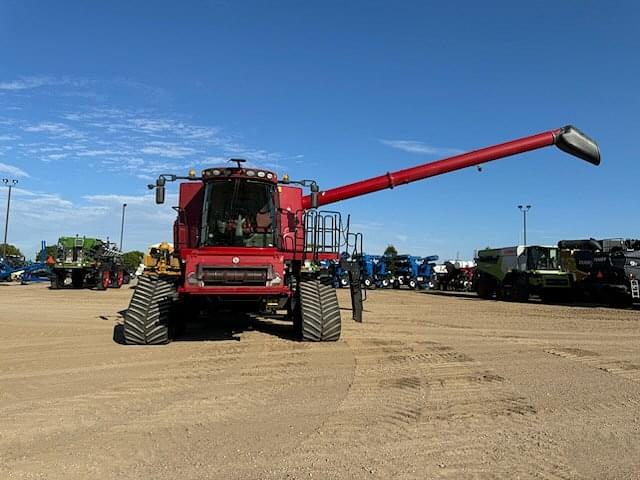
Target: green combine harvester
{"type": "Point", "coordinates": [83, 262]}
{"type": "Point", "coordinates": [515, 273]}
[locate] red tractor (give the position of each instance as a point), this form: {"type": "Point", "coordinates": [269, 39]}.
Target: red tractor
{"type": "Point", "coordinates": [246, 240]}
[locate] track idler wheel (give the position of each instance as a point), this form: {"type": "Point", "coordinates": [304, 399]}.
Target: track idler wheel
{"type": "Point", "coordinates": [148, 318]}
{"type": "Point", "coordinates": [319, 312]}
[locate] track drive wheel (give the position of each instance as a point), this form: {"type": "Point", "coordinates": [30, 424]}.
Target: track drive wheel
{"type": "Point", "coordinates": [319, 312]}
{"type": "Point", "coordinates": [148, 318]}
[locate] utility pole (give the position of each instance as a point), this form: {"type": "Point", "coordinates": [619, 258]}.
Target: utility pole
{"type": "Point", "coordinates": [524, 209]}
{"type": "Point", "coordinates": [124, 205]}
{"type": "Point", "coordinates": [10, 184]}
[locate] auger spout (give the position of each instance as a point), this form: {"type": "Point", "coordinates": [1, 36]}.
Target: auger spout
{"type": "Point", "coordinates": [569, 139]}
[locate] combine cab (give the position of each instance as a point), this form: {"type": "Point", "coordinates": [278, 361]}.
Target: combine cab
{"type": "Point", "coordinates": [245, 239]}
{"type": "Point", "coordinates": [86, 262]}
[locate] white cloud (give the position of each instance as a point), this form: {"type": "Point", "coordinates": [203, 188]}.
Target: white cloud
{"type": "Point", "coordinates": [112, 199]}
{"type": "Point", "coordinates": [27, 83]}
{"type": "Point", "coordinates": [413, 146]}
{"type": "Point", "coordinates": [12, 170]}
{"type": "Point", "coordinates": [54, 128]}
{"type": "Point", "coordinates": [7, 138]}
{"type": "Point", "coordinates": [24, 83]}
{"type": "Point", "coordinates": [168, 150]}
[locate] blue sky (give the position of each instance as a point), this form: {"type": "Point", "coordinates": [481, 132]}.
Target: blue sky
{"type": "Point", "coordinates": [98, 98]}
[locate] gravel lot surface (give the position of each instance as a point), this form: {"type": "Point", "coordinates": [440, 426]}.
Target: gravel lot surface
{"type": "Point", "coordinates": [430, 386]}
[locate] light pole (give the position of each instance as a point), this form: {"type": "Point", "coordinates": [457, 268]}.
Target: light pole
{"type": "Point", "coordinates": [524, 209]}
{"type": "Point", "coordinates": [8, 183]}
{"type": "Point", "coordinates": [124, 205]}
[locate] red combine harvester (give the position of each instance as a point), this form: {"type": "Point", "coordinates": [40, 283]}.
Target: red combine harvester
{"type": "Point", "coordinates": [245, 240]}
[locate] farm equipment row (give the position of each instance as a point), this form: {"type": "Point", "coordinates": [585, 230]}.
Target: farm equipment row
{"type": "Point", "coordinates": [381, 271]}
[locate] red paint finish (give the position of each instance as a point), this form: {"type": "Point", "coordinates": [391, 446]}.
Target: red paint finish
{"type": "Point", "coordinates": [439, 167]}
{"type": "Point", "coordinates": [233, 258]}
{"type": "Point", "coordinates": [186, 229]}
{"type": "Point", "coordinates": [290, 217]}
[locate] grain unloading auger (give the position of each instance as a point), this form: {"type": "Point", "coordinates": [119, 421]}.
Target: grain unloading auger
{"type": "Point", "coordinates": [247, 241]}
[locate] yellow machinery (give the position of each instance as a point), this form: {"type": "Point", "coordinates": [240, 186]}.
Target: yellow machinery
{"type": "Point", "coordinates": [159, 260]}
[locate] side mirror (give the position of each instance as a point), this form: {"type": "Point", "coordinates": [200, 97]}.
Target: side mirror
{"type": "Point", "coordinates": [160, 190]}
{"type": "Point", "coordinates": [314, 195]}
{"type": "Point", "coordinates": [571, 140]}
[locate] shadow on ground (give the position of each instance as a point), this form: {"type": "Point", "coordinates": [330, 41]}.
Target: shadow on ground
{"type": "Point", "coordinates": [228, 327]}
{"type": "Point", "coordinates": [535, 300]}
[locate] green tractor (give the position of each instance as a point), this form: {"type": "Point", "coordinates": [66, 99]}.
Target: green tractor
{"type": "Point", "coordinates": [86, 262]}
{"type": "Point", "coordinates": [515, 273]}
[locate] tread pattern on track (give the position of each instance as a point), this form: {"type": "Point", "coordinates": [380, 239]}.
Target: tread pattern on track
{"type": "Point", "coordinates": [320, 312]}
{"type": "Point", "coordinates": [146, 321]}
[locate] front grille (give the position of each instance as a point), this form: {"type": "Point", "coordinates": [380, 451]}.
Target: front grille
{"type": "Point", "coordinates": [233, 276]}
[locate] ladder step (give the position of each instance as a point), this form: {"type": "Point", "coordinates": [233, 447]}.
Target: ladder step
{"type": "Point", "coordinates": [635, 289]}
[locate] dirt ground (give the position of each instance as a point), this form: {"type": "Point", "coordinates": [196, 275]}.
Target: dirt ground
{"type": "Point", "coordinates": [429, 386]}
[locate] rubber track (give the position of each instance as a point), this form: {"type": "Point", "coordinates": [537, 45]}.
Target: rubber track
{"type": "Point", "coordinates": [146, 321]}
{"type": "Point", "coordinates": [320, 312]}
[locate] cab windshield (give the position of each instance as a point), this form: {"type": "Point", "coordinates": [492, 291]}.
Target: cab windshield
{"type": "Point", "coordinates": [238, 212]}
{"type": "Point", "coordinates": [542, 258]}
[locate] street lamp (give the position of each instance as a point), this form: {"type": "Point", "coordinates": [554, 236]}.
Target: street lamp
{"type": "Point", "coordinates": [8, 183]}
{"type": "Point", "coordinates": [524, 209]}
{"type": "Point", "coordinates": [124, 205]}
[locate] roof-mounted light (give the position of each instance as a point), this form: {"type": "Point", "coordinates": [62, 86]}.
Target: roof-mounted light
{"type": "Point", "coordinates": [261, 174]}
{"type": "Point", "coordinates": [251, 173]}
{"type": "Point", "coordinates": [216, 172]}
{"type": "Point", "coordinates": [270, 175]}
